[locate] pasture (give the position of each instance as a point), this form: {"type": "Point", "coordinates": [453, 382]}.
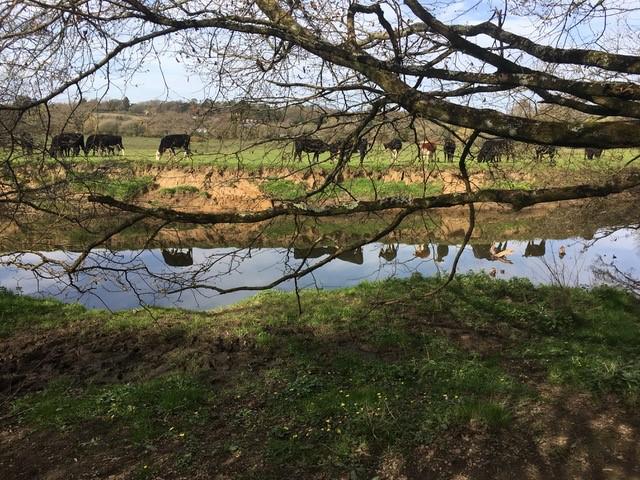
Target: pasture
{"type": "Point", "coordinates": [252, 155]}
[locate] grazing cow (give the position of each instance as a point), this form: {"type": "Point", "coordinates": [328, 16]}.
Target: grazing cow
{"type": "Point", "coordinates": [535, 250]}
{"type": "Point", "coordinates": [449, 149]}
{"type": "Point", "coordinates": [589, 153]}
{"type": "Point", "coordinates": [428, 149]}
{"type": "Point", "coordinates": [25, 140]}
{"type": "Point", "coordinates": [493, 149]}
{"type": "Point", "coordinates": [67, 144]}
{"type": "Point", "coordinates": [395, 146]}
{"type": "Point", "coordinates": [178, 257]}
{"type": "Point", "coordinates": [312, 145]}
{"type": "Point", "coordinates": [342, 147]}
{"type": "Point", "coordinates": [549, 150]}
{"type": "Point", "coordinates": [104, 143]}
{"type": "Point", "coordinates": [171, 142]}
{"type": "Point", "coordinates": [363, 147]}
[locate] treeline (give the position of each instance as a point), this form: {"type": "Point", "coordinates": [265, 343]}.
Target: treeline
{"type": "Point", "coordinates": [215, 120]}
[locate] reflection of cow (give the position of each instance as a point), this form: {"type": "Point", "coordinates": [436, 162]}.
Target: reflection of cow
{"type": "Point", "coordinates": [389, 252]}
{"type": "Point", "coordinates": [535, 250]}
{"type": "Point", "coordinates": [441, 252]}
{"type": "Point", "coordinates": [493, 251]}
{"type": "Point", "coordinates": [351, 256]}
{"type": "Point", "coordinates": [178, 257]}
{"type": "Point", "coordinates": [449, 149]}
{"type": "Point", "coordinates": [422, 251]}
{"type": "Point", "coordinates": [395, 146]}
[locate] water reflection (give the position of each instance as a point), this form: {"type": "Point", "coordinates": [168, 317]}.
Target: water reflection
{"type": "Point", "coordinates": [178, 257]}
{"type": "Point", "coordinates": [189, 277]}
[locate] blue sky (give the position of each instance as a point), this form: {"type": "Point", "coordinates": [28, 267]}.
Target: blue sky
{"type": "Point", "coordinates": [164, 78]}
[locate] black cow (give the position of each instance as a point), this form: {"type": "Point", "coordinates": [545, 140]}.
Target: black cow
{"type": "Point", "coordinates": [25, 140]}
{"type": "Point", "coordinates": [312, 145]}
{"type": "Point", "coordinates": [590, 153]}
{"type": "Point", "coordinates": [104, 143]}
{"type": "Point", "coordinates": [178, 257]}
{"type": "Point", "coordinates": [493, 149]}
{"type": "Point", "coordinates": [395, 146]}
{"type": "Point", "coordinates": [549, 150]}
{"type": "Point", "coordinates": [362, 147]}
{"type": "Point", "coordinates": [449, 148]}
{"type": "Point", "coordinates": [171, 142]}
{"type": "Point", "coordinates": [67, 144]}
{"type": "Point", "coordinates": [535, 250]}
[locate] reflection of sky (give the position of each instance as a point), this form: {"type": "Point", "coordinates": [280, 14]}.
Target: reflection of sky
{"type": "Point", "coordinates": [147, 278]}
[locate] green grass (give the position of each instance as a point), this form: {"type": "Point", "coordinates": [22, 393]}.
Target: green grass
{"type": "Point", "coordinates": [121, 188]}
{"type": "Point", "coordinates": [18, 312]}
{"type": "Point", "coordinates": [179, 190]}
{"type": "Point", "coordinates": [243, 154]}
{"type": "Point", "coordinates": [283, 189]}
{"type": "Point", "coordinates": [165, 406]}
{"type": "Point", "coordinates": [362, 372]}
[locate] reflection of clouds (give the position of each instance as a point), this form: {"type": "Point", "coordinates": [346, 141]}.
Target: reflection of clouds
{"type": "Point", "coordinates": [124, 279]}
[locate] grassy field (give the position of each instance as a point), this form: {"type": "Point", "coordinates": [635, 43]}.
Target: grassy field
{"type": "Point", "coordinates": [233, 154]}
{"type": "Point", "coordinates": [483, 381]}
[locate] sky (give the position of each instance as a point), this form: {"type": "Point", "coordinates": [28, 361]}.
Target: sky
{"type": "Point", "coordinates": [164, 78]}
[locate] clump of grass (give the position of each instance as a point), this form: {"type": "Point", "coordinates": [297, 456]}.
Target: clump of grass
{"type": "Point", "coordinates": [22, 312]}
{"type": "Point", "coordinates": [164, 406]}
{"type": "Point", "coordinates": [120, 188]}
{"type": "Point", "coordinates": [179, 190]}
{"type": "Point", "coordinates": [367, 189]}
{"type": "Point", "coordinates": [283, 189]}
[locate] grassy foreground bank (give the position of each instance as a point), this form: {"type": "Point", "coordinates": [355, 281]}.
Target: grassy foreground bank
{"type": "Point", "coordinates": [488, 379]}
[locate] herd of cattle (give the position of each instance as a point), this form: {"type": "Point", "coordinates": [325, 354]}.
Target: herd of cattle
{"type": "Point", "coordinates": [72, 144]}
{"type": "Point", "coordinates": [492, 150]}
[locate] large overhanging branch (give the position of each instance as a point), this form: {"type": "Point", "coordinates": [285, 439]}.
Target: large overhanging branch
{"type": "Point", "coordinates": [575, 56]}
{"type": "Point", "coordinates": [571, 134]}
{"type": "Point", "coordinates": [279, 22]}
{"type": "Point", "coordinates": [518, 199]}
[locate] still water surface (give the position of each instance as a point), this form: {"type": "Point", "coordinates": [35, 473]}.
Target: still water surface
{"type": "Point", "coordinates": [127, 279]}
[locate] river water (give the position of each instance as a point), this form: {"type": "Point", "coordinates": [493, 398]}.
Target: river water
{"type": "Point", "coordinates": [128, 278]}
